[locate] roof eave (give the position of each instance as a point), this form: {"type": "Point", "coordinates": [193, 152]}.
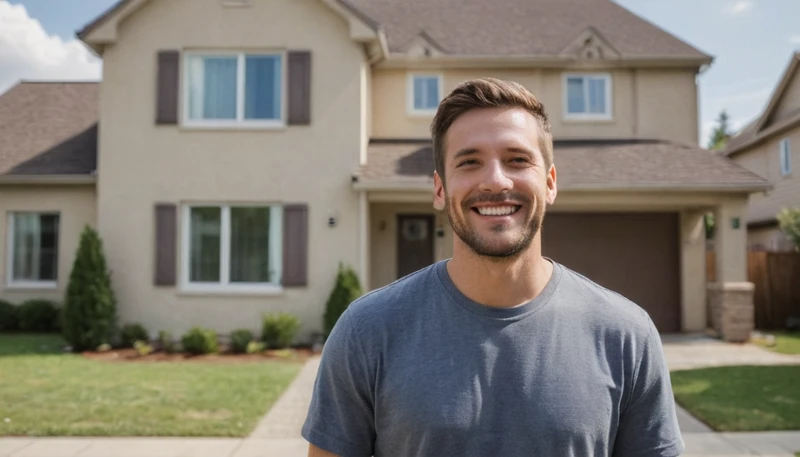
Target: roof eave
{"type": "Point", "coordinates": [401, 59]}
{"type": "Point", "coordinates": [53, 179]}
{"type": "Point", "coordinates": [763, 136]}
{"type": "Point", "coordinates": [790, 69]}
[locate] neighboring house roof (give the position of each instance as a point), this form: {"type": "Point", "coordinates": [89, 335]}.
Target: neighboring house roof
{"type": "Point", "coordinates": [764, 126]}
{"type": "Point", "coordinates": [479, 28]}
{"type": "Point", "coordinates": [48, 128]}
{"type": "Point", "coordinates": [582, 164]}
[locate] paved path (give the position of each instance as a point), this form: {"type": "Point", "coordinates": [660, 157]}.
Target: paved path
{"type": "Point", "coordinates": [698, 351]}
{"type": "Point", "coordinates": [286, 417]}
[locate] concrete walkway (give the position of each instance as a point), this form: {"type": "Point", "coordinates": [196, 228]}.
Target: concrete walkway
{"type": "Point", "coordinates": [278, 433]}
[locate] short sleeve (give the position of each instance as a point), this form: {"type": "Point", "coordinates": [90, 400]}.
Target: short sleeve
{"type": "Point", "coordinates": [649, 425]}
{"type": "Point", "coordinates": [340, 417]}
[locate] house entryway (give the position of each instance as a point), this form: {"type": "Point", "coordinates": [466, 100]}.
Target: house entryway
{"type": "Point", "coordinates": [415, 237]}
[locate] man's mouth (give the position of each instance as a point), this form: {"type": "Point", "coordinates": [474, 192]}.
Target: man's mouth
{"type": "Point", "coordinates": [503, 210]}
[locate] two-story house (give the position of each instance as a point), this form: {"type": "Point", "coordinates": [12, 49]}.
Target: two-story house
{"type": "Point", "coordinates": [244, 148]}
{"type": "Point", "coordinates": [770, 147]}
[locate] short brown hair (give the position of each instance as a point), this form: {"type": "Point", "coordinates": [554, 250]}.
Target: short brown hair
{"type": "Point", "coordinates": [487, 93]}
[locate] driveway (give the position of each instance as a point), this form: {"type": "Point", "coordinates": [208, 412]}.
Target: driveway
{"type": "Point", "coordinates": [699, 351]}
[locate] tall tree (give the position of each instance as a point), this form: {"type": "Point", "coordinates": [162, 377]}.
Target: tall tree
{"type": "Point", "coordinates": [721, 132]}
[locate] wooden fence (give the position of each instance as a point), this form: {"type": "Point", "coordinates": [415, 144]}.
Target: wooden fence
{"type": "Point", "coordinates": [776, 276]}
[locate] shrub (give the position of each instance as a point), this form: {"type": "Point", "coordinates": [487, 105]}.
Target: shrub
{"type": "Point", "coordinates": [8, 317]}
{"type": "Point", "coordinates": [131, 333]}
{"type": "Point", "coordinates": [279, 329]}
{"type": "Point", "coordinates": [254, 347]}
{"type": "Point", "coordinates": [346, 289]}
{"type": "Point", "coordinates": [240, 339]}
{"type": "Point", "coordinates": [166, 343]}
{"type": "Point", "coordinates": [200, 340]}
{"type": "Point", "coordinates": [90, 306]}
{"type": "Point", "coordinates": [142, 348]}
{"type": "Point", "coordinates": [789, 220]}
{"type": "Point", "coordinates": [37, 316]}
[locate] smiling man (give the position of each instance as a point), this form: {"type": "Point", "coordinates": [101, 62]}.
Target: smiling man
{"type": "Point", "coordinates": [498, 351]}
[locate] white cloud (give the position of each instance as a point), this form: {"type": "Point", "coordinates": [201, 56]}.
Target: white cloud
{"type": "Point", "coordinates": [742, 6]}
{"type": "Point", "coordinates": [27, 51]}
{"type": "Point", "coordinates": [794, 39]}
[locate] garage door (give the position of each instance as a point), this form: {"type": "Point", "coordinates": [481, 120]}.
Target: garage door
{"type": "Point", "coordinates": [635, 254]}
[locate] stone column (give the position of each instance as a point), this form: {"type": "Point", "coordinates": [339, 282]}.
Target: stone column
{"type": "Point", "coordinates": [731, 295]}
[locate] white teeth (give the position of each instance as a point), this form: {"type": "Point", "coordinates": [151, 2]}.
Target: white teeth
{"type": "Point", "coordinates": [497, 210]}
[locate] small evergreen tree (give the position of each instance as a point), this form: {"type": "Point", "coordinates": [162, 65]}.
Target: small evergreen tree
{"type": "Point", "coordinates": [721, 133]}
{"type": "Point", "coordinates": [89, 313]}
{"type": "Point", "coordinates": [346, 289]}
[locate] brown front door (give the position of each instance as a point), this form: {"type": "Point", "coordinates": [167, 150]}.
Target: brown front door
{"type": "Point", "coordinates": [634, 254]}
{"type": "Point", "coordinates": [414, 242]}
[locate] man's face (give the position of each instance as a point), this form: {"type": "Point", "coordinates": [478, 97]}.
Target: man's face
{"type": "Point", "coordinates": [496, 183]}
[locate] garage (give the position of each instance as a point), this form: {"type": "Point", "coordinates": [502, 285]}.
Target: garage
{"type": "Point", "coordinates": [635, 254]}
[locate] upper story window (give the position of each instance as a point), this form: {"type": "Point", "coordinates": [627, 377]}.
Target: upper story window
{"type": "Point", "coordinates": [587, 96]}
{"type": "Point", "coordinates": [785, 157]}
{"type": "Point", "coordinates": [236, 89]}
{"type": "Point", "coordinates": [425, 93]}
{"type": "Point", "coordinates": [33, 249]}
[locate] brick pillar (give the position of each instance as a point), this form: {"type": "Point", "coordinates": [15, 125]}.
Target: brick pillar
{"type": "Point", "coordinates": [732, 310]}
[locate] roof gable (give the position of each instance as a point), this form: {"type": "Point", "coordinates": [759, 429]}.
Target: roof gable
{"type": "Point", "coordinates": [779, 92]}
{"type": "Point", "coordinates": [103, 29]}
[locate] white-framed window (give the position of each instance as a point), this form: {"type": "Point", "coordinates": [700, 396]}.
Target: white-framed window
{"type": "Point", "coordinates": [424, 93]}
{"type": "Point", "coordinates": [785, 157]}
{"type": "Point", "coordinates": [33, 239]}
{"type": "Point", "coordinates": [232, 247]}
{"type": "Point", "coordinates": [234, 89]}
{"type": "Point", "coordinates": [587, 96]}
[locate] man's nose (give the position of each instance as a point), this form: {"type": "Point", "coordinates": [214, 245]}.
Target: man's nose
{"type": "Point", "coordinates": [495, 178]}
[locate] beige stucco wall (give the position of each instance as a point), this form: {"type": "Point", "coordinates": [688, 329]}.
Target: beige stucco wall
{"type": "Point", "coordinates": [769, 238]}
{"type": "Point", "coordinates": [790, 100]}
{"type": "Point", "coordinates": [383, 238]}
{"type": "Point", "coordinates": [646, 103]}
{"type": "Point", "coordinates": [764, 159]}
{"type": "Point", "coordinates": [76, 207]}
{"type": "Point", "coordinates": [141, 164]}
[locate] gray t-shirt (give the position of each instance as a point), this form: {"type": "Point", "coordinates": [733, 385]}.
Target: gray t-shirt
{"type": "Point", "coordinates": [418, 369]}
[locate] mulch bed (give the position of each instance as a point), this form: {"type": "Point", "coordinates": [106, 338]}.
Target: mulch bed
{"type": "Point", "coordinates": [130, 355]}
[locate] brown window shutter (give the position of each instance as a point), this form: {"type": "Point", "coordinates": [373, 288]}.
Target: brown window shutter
{"type": "Point", "coordinates": [168, 87]}
{"type": "Point", "coordinates": [295, 245]}
{"type": "Point", "coordinates": [299, 90]}
{"type": "Point", "coordinates": [166, 246]}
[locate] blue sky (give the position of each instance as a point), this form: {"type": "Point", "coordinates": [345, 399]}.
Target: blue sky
{"type": "Point", "coordinates": [751, 41]}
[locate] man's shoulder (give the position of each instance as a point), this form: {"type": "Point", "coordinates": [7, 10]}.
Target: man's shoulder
{"type": "Point", "coordinates": [603, 305]}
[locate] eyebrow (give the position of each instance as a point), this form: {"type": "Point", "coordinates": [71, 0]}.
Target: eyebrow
{"type": "Point", "coordinates": [472, 151]}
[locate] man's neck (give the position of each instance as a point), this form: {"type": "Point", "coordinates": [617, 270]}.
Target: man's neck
{"type": "Point", "coordinates": [502, 283]}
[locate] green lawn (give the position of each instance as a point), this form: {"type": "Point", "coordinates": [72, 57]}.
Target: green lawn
{"type": "Point", "coordinates": [46, 392]}
{"type": "Point", "coordinates": [743, 398]}
{"type": "Point", "coordinates": [785, 342]}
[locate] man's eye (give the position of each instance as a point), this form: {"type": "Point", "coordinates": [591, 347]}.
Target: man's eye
{"type": "Point", "coordinates": [467, 162]}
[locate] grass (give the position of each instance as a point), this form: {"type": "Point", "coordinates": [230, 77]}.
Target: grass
{"type": "Point", "coordinates": [44, 392]}
{"type": "Point", "coordinates": [741, 398]}
{"type": "Point", "coordinates": [785, 342]}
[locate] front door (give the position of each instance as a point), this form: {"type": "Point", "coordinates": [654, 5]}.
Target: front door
{"type": "Point", "coordinates": [414, 242]}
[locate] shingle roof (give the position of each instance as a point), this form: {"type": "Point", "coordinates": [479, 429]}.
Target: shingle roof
{"type": "Point", "coordinates": [506, 27]}
{"type": "Point", "coordinates": [610, 164]}
{"type": "Point", "coordinates": [49, 128]}
{"type": "Point", "coordinates": [520, 27]}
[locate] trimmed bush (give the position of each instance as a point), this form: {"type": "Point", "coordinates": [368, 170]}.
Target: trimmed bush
{"type": "Point", "coordinates": [279, 330]}
{"type": "Point", "coordinates": [90, 306]}
{"type": "Point", "coordinates": [240, 339]}
{"type": "Point", "coordinates": [345, 291]}
{"type": "Point", "coordinates": [166, 343]}
{"type": "Point", "coordinates": [37, 316]}
{"type": "Point", "coordinates": [8, 317]}
{"type": "Point", "coordinates": [131, 333]}
{"type": "Point", "coordinates": [200, 340]}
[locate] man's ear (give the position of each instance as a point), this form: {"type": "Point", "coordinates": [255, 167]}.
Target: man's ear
{"type": "Point", "coordinates": [439, 197]}
{"type": "Point", "coordinates": [552, 188]}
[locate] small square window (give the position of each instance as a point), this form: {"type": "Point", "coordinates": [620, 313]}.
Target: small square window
{"type": "Point", "coordinates": [424, 93]}
{"type": "Point", "coordinates": [587, 96]}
